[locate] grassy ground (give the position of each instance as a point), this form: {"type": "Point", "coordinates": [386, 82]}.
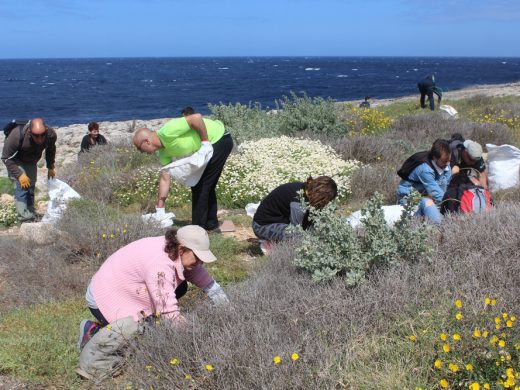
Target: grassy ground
{"type": "Point", "coordinates": [39, 341]}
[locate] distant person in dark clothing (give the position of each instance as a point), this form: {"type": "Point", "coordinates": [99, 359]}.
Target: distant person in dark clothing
{"type": "Point", "coordinates": [282, 207]}
{"type": "Point", "coordinates": [366, 103]}
{"type": "Point", "coordinates": [92, 138]}
{"type": "Point", "coordinates": [187, 111]}
{"type": "Point", "coordinates": [427, 87]}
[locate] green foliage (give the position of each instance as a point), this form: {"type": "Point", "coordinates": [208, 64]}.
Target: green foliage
{"type": "Point", "coordinates": [38, 343]}
{"type": "Point", "coordinates": [247, 122]}
{"type": "Point", "coordinates": [8, 215]}
{"type": "Point", "coordinates": [6, 186]}
{"type": "Point", "coordinates": [304, 113]}
{"type": "Point", "coordinates": [333, 247]}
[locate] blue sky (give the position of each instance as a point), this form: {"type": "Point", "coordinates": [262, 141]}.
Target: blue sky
{"type": "Point", "coordinates": [168, 28]}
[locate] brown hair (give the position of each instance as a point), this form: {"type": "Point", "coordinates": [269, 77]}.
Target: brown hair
{"type": "Point", "coordinates": [320, 191]}
{"type": "Point", "coordinates": [172, 244]}
{"type": "Point", "coordinates": [93, 126]}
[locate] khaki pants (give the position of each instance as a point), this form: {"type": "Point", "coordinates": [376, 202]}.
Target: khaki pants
{"type": "Point", "coordinates": [103, 356]}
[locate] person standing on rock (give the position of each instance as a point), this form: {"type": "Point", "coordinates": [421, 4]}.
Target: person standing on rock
{"type": "Point", "coordinates": [23, 149]}
{"type": "Point", "coordinates": [427, 87]}
{"type": "Point", "coordinates": [92, 138]}
{"type": "Point", "coordinates": [182, 137]}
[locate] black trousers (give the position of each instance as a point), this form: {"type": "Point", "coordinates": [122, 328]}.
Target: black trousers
{"type": "Point", "coordinates": [203, 195]}
{"type": "Point", "coordinates": [426, 91]}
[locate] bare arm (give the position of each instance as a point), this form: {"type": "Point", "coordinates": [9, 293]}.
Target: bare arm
{"type": "Point", "coordinates": [164, 188]}
{"type": "Point", "coordinates": [196, 123]}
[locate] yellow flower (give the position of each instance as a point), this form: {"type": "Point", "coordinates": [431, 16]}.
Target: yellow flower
{"type": "Point", "coordinates": [104, 235]}
{"type": "Point", "coordinates": [493, 302]}
{"type": "Point", "coordinates": [458, 316]}
{"type": "Point", "coordinates": [174, 361]}
{"type": "Point", "coordinates": [474, 386]}
{"type": "Point", "coordinates": [509, 323]}
{"type": "Point", "coordinates": [277, 359]}
{"type": "Point", "coordinates": [453, 367]}
{"type": "Point", "coordinates": [456, 337]}
{"type": "Point", "coordinates": [209, 367]}
{"type": "Point", "coordinates": [501, 343]}
{"type": "Point", "coordinates": [497, 320]}
{"type": "Point", "coordinates": [187, 377]}
{"type": "Point", "coordinates": [469, 367]}
{"type": "Point", "coordinates": [446, 348]}
{"type": "Point", "coordinates": [412, 338]}
{"type": "Point", "coordinates": [487, 301]}
{"type": "Point", "coordinates": [493, 340]}
{"type": "Point", "coordinates": [458, 303]}
{"type": "Point", "coordinates": [485, 333]}
{"type": "Point", "coordinates": [437, 364]}
{"type": "Point", "coordinates": [476, 333]}
{"type": "Point", "coordinates": [513, 318]}
{"type": "Point", "coordinates": [443, 336]}
{"type": "Point", "coordinates": [505, 315]}
{"type": "Point", "coordinates": [108, 327]}
{"type": "Point", "coordinates": [444, 383]}
{"type": "Point", "coordinates": [295, 356]}
{"type": "Point", "coordinates": [148, 367]}
{"type": "Point", "coordinates": [486, 386]}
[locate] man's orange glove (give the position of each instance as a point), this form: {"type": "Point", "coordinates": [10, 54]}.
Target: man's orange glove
{"type": "Point", "coordinates": [24, 181]}
{"type": "Point", "coordinates": [51, 173]}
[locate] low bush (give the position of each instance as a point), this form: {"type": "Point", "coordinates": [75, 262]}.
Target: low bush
{"type": "Point", "coordinates": [8, 214]}
{"type": "Point", "coordinates": [365, 121]}
{"type": "Point", "coordinates": [260, 166]}
{"type": "Point", "coordinates": [332, 247]}
{"type": "Point", "coordinates": [369, 179]}
{"type": "Point", "coordinates": [6, 186]}
{"type": "Point", "coordinates": [247, 123]}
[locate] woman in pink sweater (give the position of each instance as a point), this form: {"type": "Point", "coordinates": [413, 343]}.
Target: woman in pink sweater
{"type": "Point", "coordinates": [146, 278]}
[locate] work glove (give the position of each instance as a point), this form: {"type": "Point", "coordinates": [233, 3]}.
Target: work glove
{"type": "Point", "coordinates": [205, 147]}
{"type": "Point", "coordinates": [24, 181]}
{"type": "Point", "coordinates": [51, 173]}
{"type": "Point", "coordinates": [216, 294]}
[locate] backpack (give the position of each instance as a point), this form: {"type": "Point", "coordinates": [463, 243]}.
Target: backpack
{"type": "Point", "coordinates": [10, 126]}
{"type": "Point", "coordinates": [465, 197]}
{"type": "Point", "coordinates": [413, 162]}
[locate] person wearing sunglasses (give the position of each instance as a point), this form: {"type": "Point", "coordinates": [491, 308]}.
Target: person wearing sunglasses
{"type": "Point", "coordinates": [23, 148]}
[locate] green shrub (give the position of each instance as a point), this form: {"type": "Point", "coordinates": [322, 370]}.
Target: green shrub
{"type": "Point", "coordinates": [333, 247]}
{"type": "Point", "coordinates": [247, 122]}
{"type": "Point", "coordinates": [365, 121]}
{"type": "Point", "coordinates": [304, 113]}
{"type": "Point", "coordinates": [8, 215]}
{"type": "Point", "coordinates": [6, 186]}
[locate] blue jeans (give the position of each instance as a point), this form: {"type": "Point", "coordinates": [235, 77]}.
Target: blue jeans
{"type": "Point", "coordinates": [431, 212]}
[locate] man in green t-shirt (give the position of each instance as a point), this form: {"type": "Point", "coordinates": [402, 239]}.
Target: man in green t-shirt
{"type": "Point", "coordinates": [181, 137]}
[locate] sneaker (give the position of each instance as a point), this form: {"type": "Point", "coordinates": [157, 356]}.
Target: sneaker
{"type": "Point", "coordinates": [266, 247]}
{"type": "Point", "coordinates": [87, 329]}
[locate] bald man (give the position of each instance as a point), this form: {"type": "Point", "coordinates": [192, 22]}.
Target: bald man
{"type": "Point", "coordinates": [23, 149]}
{"type": "Point", "coordinates": [181, 137]}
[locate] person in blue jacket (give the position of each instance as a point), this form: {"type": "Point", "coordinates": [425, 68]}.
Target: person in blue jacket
{"type": "Point", "coordinates": [427, 87]}
{"type": "Point", "coordinates": [431, 180]}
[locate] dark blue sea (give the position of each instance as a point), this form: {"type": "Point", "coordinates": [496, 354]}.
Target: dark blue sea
{"type": "Point", "coordinates": [66, 91]}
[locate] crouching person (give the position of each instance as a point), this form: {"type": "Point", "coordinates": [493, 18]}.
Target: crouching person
{"type": "Point", "coordinates": [429, 173]}
{"type": "Point", "coordinates": [141, 281]}
{"type": "Point", "coordinates": [282, 207]}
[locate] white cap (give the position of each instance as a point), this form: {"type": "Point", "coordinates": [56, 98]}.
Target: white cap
{"type": "Point", "coordinates": [196, 238]}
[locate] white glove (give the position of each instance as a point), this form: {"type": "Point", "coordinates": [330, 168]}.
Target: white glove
{"type": "Point", "coordinates": [205, 147]}
{"type": "Point", "coordinates": [160, 211]}
{"type": "Point", "coordinates": [216, 294]}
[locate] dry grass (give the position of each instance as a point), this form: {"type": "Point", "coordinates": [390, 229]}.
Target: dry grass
{"type": "Point", "coordinates": [353, 338]}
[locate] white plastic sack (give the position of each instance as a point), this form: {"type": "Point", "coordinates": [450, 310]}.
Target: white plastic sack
{"type": "Point", "coordinates": [166, 220]}
{"type": "Point", "coordinates": [392, 215]}
{"type": "Point", "coordinates": [503, 166]}
{"type": "Point", "coordinates": [251, 209]}
{"type": "Point", "coordinates": [452, 112]}
{"type": "Point", "coordinates": [188, 170]}
{"type": "Point", "coordinates": [59, 194]}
